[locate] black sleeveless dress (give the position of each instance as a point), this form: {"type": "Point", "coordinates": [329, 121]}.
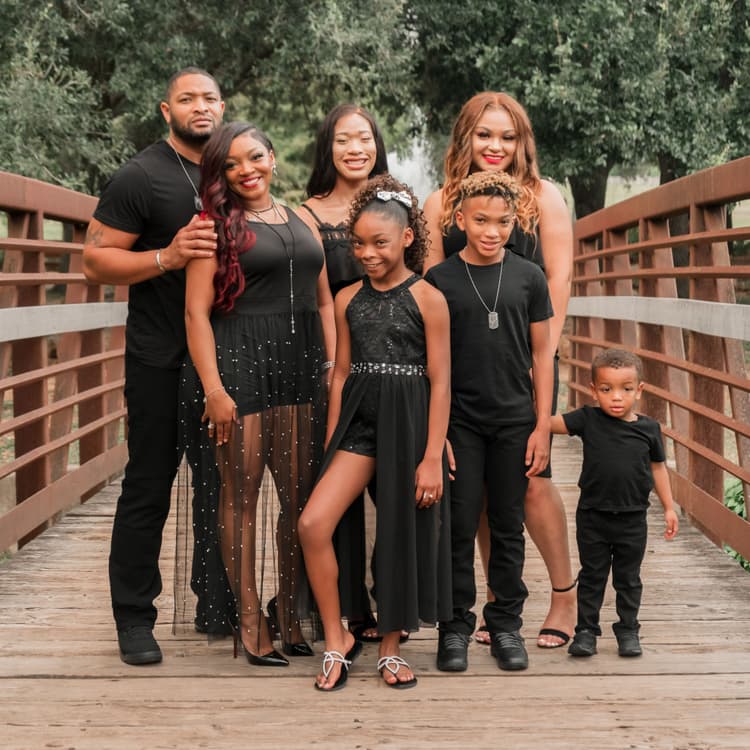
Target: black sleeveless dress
{"type": "Point", "coordinates": [385, 409]}
{"type": "Point", "coordinates": [342, 267]}
{"type": "Point", "coordinates": [269, 352]}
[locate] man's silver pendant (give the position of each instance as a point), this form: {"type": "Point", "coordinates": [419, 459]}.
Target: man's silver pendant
{"type": "Point", "coordinates": [198, 203]}
{"type": "Point", "coordinates": [493, 320]}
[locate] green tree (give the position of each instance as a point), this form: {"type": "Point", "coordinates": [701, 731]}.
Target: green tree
{"type": "Point", "coordinates": [81, 82]}
{"type": "Point", "coordinates": [605, 82]}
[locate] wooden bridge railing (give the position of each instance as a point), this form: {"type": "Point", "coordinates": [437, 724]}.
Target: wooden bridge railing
{"type": "Point", "coordinates": [62, 343]}
{"type": "Point", "coordinates": [654, 274]}
{"type": "Point", "coordinates": [61, 361]}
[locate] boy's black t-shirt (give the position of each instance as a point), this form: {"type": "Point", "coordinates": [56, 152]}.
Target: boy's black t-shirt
{"type": "Point", "coordinates": [617, 457]}
{"type": "Point", "coordinates": [150, 196]}
{"type": "Point", "coordinates": [490, 381]}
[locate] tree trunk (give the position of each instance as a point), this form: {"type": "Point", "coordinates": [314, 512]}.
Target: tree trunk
{"type": "Point", "coordinates": [589, 190]}
{"type": "Point", "coordinates": [670, 168]}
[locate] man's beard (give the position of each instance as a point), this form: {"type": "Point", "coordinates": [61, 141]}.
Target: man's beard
{"type": "Point", "coordinates": [191, 137]}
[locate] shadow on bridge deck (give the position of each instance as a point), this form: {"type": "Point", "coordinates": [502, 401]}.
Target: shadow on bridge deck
{"type": "Point", "coordinates": [63, 685]}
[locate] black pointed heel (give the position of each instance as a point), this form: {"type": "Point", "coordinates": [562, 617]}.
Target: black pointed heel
{"type": "Point", "coordinates": [290, 649]}
{"type": "Point", "coordinates": [272, 659]}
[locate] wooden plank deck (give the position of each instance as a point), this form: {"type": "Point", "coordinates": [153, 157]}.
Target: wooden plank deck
{"type": "Point", "coordinates": [64, 686]}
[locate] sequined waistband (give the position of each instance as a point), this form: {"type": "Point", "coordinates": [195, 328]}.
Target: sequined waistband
{"type": "Point", "coordinates": [386, 368]}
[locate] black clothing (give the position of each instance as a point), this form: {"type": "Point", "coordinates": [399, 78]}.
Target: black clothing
{"type": "Point", "coordinates": [150, 196]}
{"type": "Point", "coordinates": [492, 416]}
{"type": "Point", "coordinates": [528, 246]}
{"type": "Point", "coordinates": [270, 362]}
{"type": "Point", "coordinates": [617, 457]}
{"type": "Point", "coordinates": [500, 357]}
{"type": "Point", "coordinates": [491, 458]}
{"type": "Point", "coordinates": [385, 327]}
{"type": "Point", "coordinates": [143, 506]}
{"type": "Point", "coordinates": [611, 528]}
{"type": "Point", "coordinates": [610, 539]}
{"type": "Point", "coordinates": [342, 267]}
{"type": "Point", "coordinates": [387, 389]}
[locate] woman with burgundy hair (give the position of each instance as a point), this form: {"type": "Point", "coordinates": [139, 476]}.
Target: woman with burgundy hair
{"type": "Point", "coordinates": [259, 319]}
{"type": "Point", "coordinates": [493, 133]}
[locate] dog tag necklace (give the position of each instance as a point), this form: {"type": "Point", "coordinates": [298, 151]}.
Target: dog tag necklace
{"type": "Point", "coordinates": [493, 320]}
{"type": "Point", "coordinates": [197, 202]}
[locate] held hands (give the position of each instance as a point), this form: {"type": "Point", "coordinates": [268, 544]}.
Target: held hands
{"type": "Point", "coordinates": [196, 240]}
{"type": "Point", "coordinates": [537, 451]}
{"type": "Point", "coordinates": [429, 482]}
{"type": "Point", "coordinates": [671, 523]}
{"type": "Point", "coordinates": [220, 413]}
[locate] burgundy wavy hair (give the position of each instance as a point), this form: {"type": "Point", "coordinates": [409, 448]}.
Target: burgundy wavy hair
{"type": "Point", "coordinates": [222, 205]}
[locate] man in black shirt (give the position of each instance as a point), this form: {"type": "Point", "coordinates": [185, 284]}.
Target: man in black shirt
{"type": "Point", "coordinates": [144, 231]}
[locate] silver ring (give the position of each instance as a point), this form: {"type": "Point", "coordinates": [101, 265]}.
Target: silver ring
{"type": "Point", "coordinates": [429, 497]}
{"type": "Point", "coordinates": [211, 425]}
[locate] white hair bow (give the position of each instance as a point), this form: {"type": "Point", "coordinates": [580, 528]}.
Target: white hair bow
{"type": "Point", "coordinates": [389, 195]}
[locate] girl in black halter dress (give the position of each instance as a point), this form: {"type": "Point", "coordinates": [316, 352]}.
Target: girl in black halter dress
{"type": "Point", "coordinates": [388, 415]}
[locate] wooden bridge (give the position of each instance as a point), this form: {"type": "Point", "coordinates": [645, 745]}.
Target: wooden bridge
{"type": "Point", "coordinates": [654, 273]}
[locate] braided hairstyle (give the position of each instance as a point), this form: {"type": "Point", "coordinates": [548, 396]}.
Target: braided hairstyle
{"type": "Point", "coordinates": [500, 185]}
{"type": "Point", "coordinates": [366, 200]}
{"type": "Point", "coordinates": [224, 206]}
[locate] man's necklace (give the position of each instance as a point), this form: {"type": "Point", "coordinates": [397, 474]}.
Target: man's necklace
{"type": "Point", "coordinates": [492, 317]}
{"type": "Point", "coordinates": [197, 202]}
{"type": "Point", "coordinates": [290, 252]}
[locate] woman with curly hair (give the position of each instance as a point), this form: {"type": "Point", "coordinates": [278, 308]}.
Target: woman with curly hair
{"type": "Point", "coordinates": [387, 418]}
{"type": "Point", "coordinates": [261, 336]}
{"type": "Point", "coordinates": [493, 134]}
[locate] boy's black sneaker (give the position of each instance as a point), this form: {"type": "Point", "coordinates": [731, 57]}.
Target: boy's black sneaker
{"type": "Point", "coordinates": [138, 645]}
{"type": "Point", "coordinates": [628, 644]}
{"type": "Point", "coordinates": [453, 648]}
{"type": "Point", "coordinates": [509, 650]}
{"type": "Point", "coordinates": [584, 644]}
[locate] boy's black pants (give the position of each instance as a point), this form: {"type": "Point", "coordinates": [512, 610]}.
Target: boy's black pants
{"type": "Point", "coordinates": [617, 540]}
{"type": "Point", "coordinates": [492, 459]}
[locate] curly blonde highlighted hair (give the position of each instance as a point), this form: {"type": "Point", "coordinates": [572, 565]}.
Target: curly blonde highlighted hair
{"type": "Point", "coordinates": [458, 157]}
{"type": "Point", "coordinates": [367, 200]}
{"type": "Point", "coordinates": [500, 185]}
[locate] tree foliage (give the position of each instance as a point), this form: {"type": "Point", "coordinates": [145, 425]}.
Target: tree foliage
{"type": "Point", "coordinates": [606, 82]}
{"type": "Point", "coordinates": [81, 81]}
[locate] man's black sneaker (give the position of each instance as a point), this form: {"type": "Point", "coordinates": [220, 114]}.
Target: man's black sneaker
{"type": "Point", "coordinates": [138, 645]}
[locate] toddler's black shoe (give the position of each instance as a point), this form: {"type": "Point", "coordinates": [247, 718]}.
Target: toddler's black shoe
{"type": "Point", "coordinates": [509, 650]}
{"type": "Point", "coordinates": [584, 644]}
{"type": "Point", "coordinates": [452, 655]}
{"type": "Point", "coordinates": [628, 644]}
{"type": "Point", "coordinates": [138, 645]}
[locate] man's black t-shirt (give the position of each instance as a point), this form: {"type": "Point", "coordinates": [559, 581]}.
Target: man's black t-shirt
{"type": "Point", "coordinates": [150, 196]}
{"type": "Point", "coordinates": [490, 382]}
{"type": "Point", "coordinates": [617, 457]}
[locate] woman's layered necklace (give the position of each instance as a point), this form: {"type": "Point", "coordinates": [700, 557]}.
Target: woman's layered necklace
{"type": "Point", "coordinates": [289, 248]}
{"type": "Point", "coordinates": [492, 317]}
